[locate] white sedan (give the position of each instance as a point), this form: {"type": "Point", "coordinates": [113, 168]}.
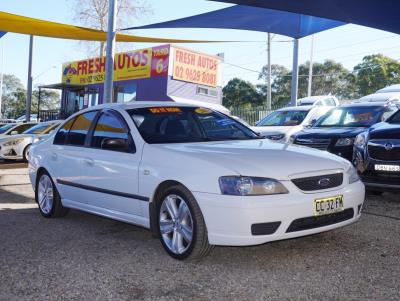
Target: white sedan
{"type": "Point", "coordinates": [193, 176]}
{"type": "Point", "coordinates": [16, 147]}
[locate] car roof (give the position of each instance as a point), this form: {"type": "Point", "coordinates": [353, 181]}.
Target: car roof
{"type": "Point", "coordinates": [297, 108]}
{"type": "Point", "coordinates": [364, 104]}
{"type": "Point", "coordinates": [312, 99]}
{"type": "Point", "coordinates": [382, 96]}
{"type": "Point", "coordinates": [392, 88]}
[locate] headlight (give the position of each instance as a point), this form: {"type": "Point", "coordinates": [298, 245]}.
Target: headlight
{"type": "Point", "coordinates": [13, 142]}
{"type": "Point", "coordinates": [237, 185]}
{"type": "Point", "coordinates": [352, 174]}
{"type": "Point", "coordinates": [345, 142]}
{"type": "Point", "coordinates": [361, 140]}
{"type": "Point", "coordinates": [275, 137]}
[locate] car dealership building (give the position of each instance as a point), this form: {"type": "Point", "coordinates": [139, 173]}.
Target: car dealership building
{"type": "Point", "coordinates": [165, 72]}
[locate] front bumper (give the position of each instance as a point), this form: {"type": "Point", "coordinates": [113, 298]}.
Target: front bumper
{"type": "Point", "coordinates": [10, 153]}
{"type": "Point", "coordinates": [377, 180]}
{"type": "Point", "coordinates": [231, 219]}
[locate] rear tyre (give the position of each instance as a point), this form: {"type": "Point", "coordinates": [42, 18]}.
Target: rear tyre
{"type": "Point", "coordinates": [48, 198]}
{"type": "Point", "coordinates": [181, 225]}
{"type": "Point", "coordinates": [26, 153]}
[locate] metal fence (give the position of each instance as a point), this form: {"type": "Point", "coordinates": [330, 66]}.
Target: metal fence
{"type": "Point", "coordinates": [251, 116]}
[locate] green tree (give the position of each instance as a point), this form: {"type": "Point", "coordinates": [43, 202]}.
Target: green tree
{"type": "Point", "coordinates": [375, 72]}
{"type": "Point", "coordinates": [14, 96]}
{"type": "Point", "coordinates": [329, 77]}
{"type": "Point", "coordinates": [49, 100]}
{"type": "Point", "coordinates": [240, 93]}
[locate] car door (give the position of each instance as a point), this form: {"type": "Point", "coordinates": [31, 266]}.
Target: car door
{"type": "Point", "coordinates": [66, 157]}
{"type": "Point", "coordinates": [110, 176]}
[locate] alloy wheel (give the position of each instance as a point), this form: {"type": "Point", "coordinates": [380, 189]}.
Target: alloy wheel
{"type": "Point", "coordinates": [45, 194]}
{"type": "Point", "coordinates": [176, 224]}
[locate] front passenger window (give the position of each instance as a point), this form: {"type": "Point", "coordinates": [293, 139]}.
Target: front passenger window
{"type": "Point", "coordinates": [77, 133]}
{"type": "Point", "coordinates": [110, 126]}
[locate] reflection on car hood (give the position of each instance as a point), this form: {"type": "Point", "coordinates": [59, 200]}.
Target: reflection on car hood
{"type": "Point", "coordinates": [272, 129]}
{"type": "Point", "coordinates": [384, 130]}
{"type": "Point", "coordinates": [260, 157]}
{"type": "Point", "coordinates": [330, 132]}
{"type": "Point", "coordinates": [4, 138]}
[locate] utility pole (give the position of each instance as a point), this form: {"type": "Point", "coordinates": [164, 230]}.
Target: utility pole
{"type": "Point", "coordinates": [310, 71]}
{"type": "Point", "coordinates": [269, 93]}
{"type": "Point", "coordinates": [1, 77]}
{"type": "Point", "coordinates": [29, 85]}
{"type": "Point", "coordinates": [295, 73]}
{"type": "Point", "coordinates": [111, 34]}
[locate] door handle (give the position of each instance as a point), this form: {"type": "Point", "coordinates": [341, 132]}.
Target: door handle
{"type": "Point", "coordinates": [88, 161]}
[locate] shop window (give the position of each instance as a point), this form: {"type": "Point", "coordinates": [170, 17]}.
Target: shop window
{"type": "Point", "coordinates": [206, 91]}
{"type": "Point", "coordinates": [125, 92]}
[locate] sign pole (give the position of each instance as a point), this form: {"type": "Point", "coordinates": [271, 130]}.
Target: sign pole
{"type": "Point", "coordinates": [111, 34]}
{"type": "Point", "coordinates": [310, 71]}
{"type": "Point", "coordinates": [269, 93]}
{"type": "Point", "coordinates": [29, 85]}
{"type": "Point", "coordinates": [295, 73]}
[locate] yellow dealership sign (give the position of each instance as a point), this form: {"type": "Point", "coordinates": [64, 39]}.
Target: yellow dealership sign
{"type": "Point", "coordinates": [196, 67]}
{"type": "Point", "coordinates": [142, 63]}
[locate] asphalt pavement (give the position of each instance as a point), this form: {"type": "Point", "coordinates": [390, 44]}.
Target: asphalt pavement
{"type": "Point", "coordinates": [85, 257]}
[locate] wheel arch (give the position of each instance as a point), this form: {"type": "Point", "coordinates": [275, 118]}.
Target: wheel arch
{"type": "Point", "coordinates": [154, 201]}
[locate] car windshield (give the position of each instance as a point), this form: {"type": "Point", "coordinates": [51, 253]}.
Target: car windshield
{"type": "Point", "coordinates": [6, 127]}
{"type": "Point", "coordinates": [40, 128]}
{"type": "Point", "coordinates": [284, 118]}
{"type": "Point", "coordinates": [187, 124]}
{"type": "Point", "coordinates": [351, 117]}
{"type": "Point", "coordinates": [395, 118]}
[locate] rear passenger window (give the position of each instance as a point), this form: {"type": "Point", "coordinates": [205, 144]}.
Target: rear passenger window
{"type": "Point", "coordinates": [79, 129]}
{"type": "Point", "coordinates": [63, 132]}
{"type": "Point", "coordinates": [109, 126]}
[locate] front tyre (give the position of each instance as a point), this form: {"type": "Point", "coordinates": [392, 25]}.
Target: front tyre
{"type": "Point", "coordinates": [48, 198]}
{"type": "Point", "coordinates": [181, 225]}
{"type": "Point", "coordinates": [25, 154]}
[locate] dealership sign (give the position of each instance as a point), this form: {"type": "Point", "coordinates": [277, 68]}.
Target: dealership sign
{"type": "Point", "coordinates": [195, 67]}
{"type": "Point", "coordinates": [143, 63]}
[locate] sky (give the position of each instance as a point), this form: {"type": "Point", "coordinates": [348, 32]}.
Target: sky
{"type": "Point", "coordinates": [347, 44]}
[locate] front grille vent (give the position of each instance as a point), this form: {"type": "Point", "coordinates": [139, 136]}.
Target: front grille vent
{"type": "Point", "coordinates": [321, 144]}
{"type": "Point", "coordinates": [319, 182]}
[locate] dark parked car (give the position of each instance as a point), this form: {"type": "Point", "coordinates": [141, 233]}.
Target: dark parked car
{"type": "Point", "coordinates": [377, 155]}
{"type": "Point", "coordinates": [336, 131]}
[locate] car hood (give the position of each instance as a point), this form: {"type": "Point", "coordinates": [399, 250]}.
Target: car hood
{"type": "Point", "coordinates": [12, 137]}
{"type": "Point", "coordinates": [384, 130]}
{"type": "Point", "coordinates": [260, 157]}
{"type": "Point", "coordinates": [272, 129]}
{"type": "Point", "coordinates": [331, 132]}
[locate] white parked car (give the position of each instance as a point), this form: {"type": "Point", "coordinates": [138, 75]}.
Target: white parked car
{"type": "Point", "coordinates": [381, 96]}
{"type": "Point", "coordinates": [281, 124]}
{"type": "Point", "coordinates": [15, 128]}
{"type": "Point", "coordinates": [194, 176]}
{"type": "Point", "coordinates": [320, 100]}
{"type": "Point", "coordinates": [16, 147]}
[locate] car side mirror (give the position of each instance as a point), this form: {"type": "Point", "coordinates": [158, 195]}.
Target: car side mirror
{"type": "Point", "coordinates": [14, 133]}
{"type": "Point", "coordinates": [312, 122]}
{"type": "Point", "coordinates": [115, 144]}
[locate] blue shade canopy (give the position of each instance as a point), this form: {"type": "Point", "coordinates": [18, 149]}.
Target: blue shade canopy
{"type": "Point", "coordinates": [253, 18]}
{"type": "Point", "coordinates": [379, 14]}
{"type": "Point", "coordinates": [2, 33]}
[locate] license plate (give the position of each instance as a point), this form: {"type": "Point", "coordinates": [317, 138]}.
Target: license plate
{"type": "Point", "coordinates": [392, 168]}
{"type": "Point", "coordinates": [328, 205]}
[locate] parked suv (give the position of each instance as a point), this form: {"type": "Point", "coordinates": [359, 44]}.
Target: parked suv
{"type": "Point", "coordinates": [377, 155]}
{"type": "Point", "coordinates": [336, 131]}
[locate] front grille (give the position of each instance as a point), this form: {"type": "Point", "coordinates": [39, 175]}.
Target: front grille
{"type": "Point", "coordinates": [379, 152]}
{"type": "Point", "coordinates": [312, 222]}
{"type": "Point", "coordinates": [319, 182]}
{"type": "Point", "coordinates": [381, 177]}
{"type": "Point", "coordinates": [321, 144]}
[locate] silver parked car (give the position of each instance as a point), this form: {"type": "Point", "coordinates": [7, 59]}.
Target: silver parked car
{"type": "Point", "coordinates": [16, 147]}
